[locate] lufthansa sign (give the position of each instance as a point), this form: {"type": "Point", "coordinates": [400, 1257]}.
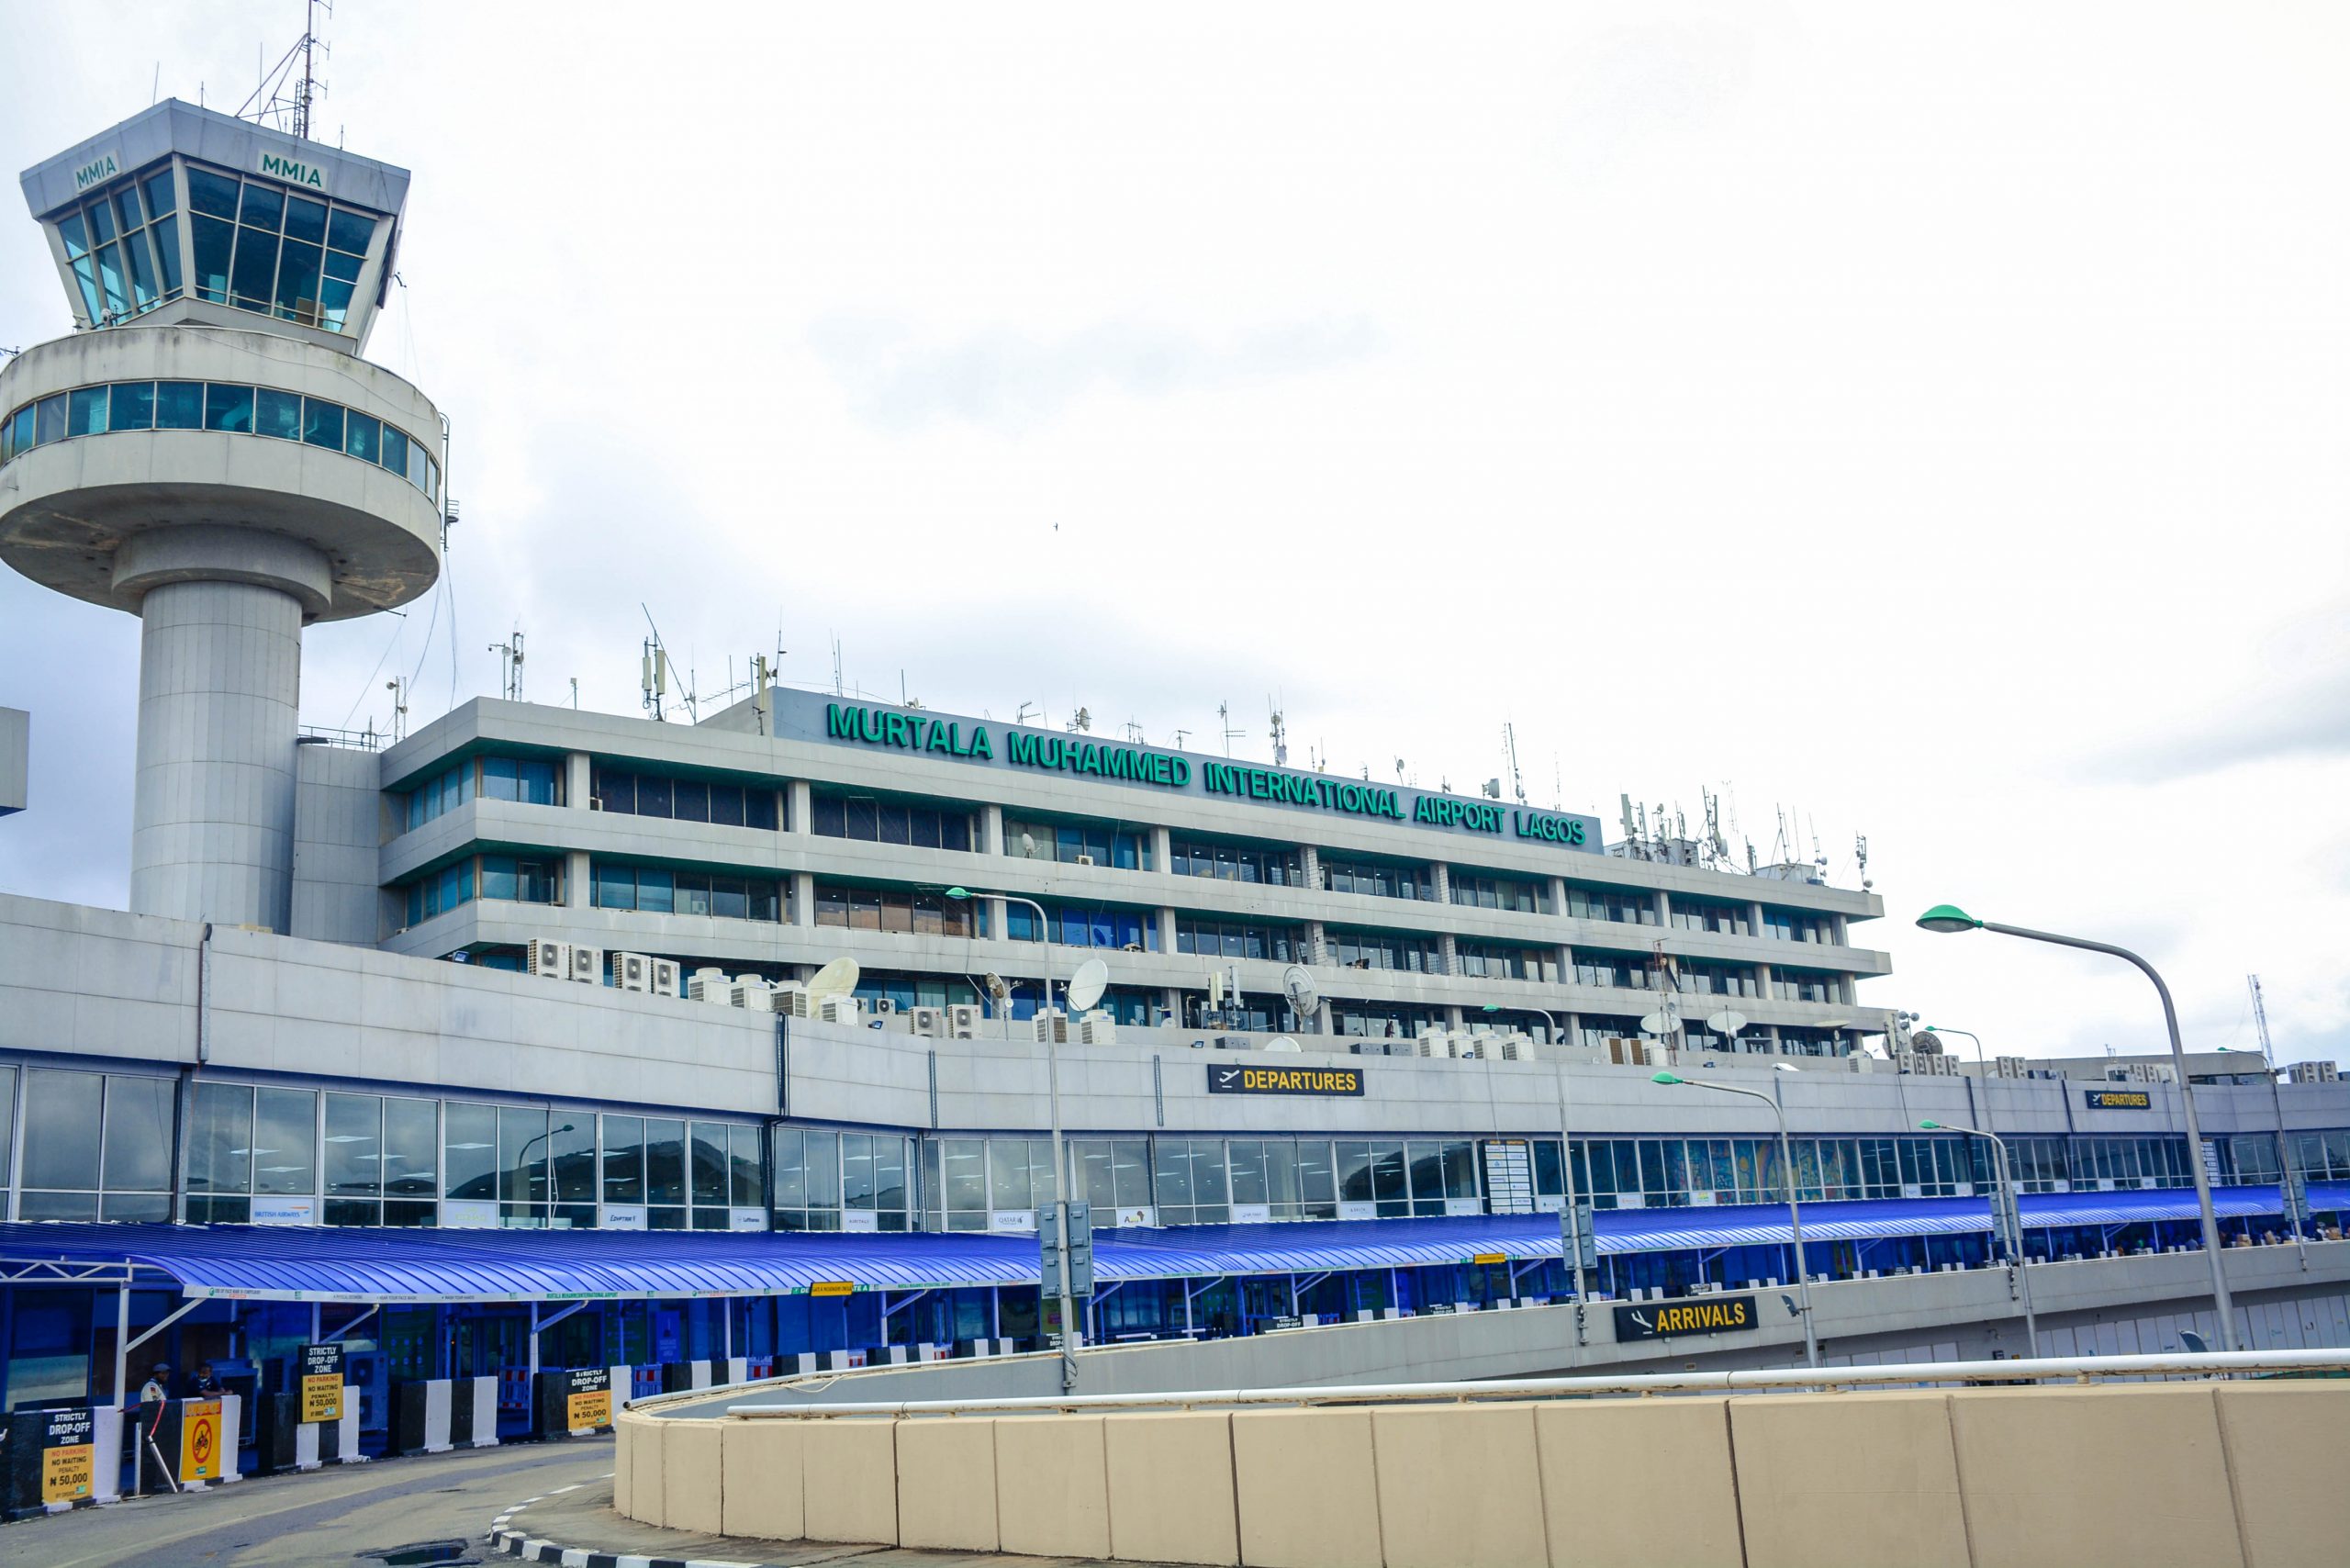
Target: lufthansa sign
{"type": "Point", "coordinates": [1669, 1319]}
{"type": "Point", "coordinates": [2120, 1100]}
{"type": "Point", "coordinates": [1285, 1081]}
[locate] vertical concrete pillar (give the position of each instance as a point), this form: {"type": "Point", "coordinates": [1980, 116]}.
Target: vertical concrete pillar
{"type": "Point", "coordinates": [1663, 909]}
{"type": "Point", "coordinates": [212, 814]}
{"type": "Point", "coordinates": [1442, 876]}
{"type": "Point", "coordinates": [1558, 896]}
{"type": "Point", "coordinates": [578, 779]}
{"type": "Point", "coordinates": [1754, 919]}
{"type": "Point", "coordinates": [575, 875]}
{"type": "Point", "coordinates": [1448, 951]}
{"type": "Point", "coordinates": [1162, 849]}
{"type": "Point", "coordinates": [804, 899]}
{"type": "Point", "coordinates": [802, 809]}
{"type": "Point", "coordinates": [1166, 918]}
{"type": "Point", "coordinates": [1309, 866]}
{"type": "Point", "coordinates": [992, 829]}
{"type": "Point", "coordinates": [1317, 950]}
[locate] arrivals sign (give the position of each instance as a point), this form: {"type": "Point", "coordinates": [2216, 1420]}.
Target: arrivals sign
{"type": "Point", "coordinates": [322, 1387]}
{"type": "Point", "coordinates": [1344, 1080]}
{"type": "Point", "coordinates": [2120, 1100]}
{"type": "Point", "coordinates": [69, 1456]}
{"type": "Point", "coordinates": [587, 1398]}
{"type": "Point", "coordinates": [1081, 756]}
{"type": "Point", "coordinates": [200, 1440]}
{"type": "Point", "coordinates": [1671, 1319]}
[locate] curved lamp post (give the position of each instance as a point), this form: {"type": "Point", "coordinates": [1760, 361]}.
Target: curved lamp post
{"type": "Point", "coordinates": [1787, 1178]}
{"type": "Point", "coordinates": [1570, 1235]}
{"type": "Point", "coordinates": [2015, 1208]}
{"type": "Point", "coordinates": [1060, 1165]}
{"type": "Point", "coordinates": [1949, 918]}
{"type": "Point", "coordinates": [2285, 1173]}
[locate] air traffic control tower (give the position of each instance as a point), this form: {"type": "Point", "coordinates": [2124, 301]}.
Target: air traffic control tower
{"type": "Point", "coordinates": [208, 451]}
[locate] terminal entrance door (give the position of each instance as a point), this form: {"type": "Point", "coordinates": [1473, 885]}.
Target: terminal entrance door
{"type": "Point", "coordinates": [1262, 1300]}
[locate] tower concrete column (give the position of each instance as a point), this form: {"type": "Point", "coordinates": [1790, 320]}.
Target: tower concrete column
{"type": "Point", "coordinates": [219, 686]}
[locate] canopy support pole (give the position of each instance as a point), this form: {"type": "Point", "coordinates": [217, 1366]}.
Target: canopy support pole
{"type": "Point", "coordinates": [121, 1345]}
{"type": "Point", "coordinates": [341, 1331]}
{"type": "Point", "coordinates": [189, 1305]}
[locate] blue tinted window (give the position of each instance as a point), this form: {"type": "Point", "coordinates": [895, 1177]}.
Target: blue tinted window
{"type": "Point", "coordinates": [255, 270]}
{"type": "Point", "coordinates": [656, 890]}
{"type": "Point", "coordinates": [110, 274]}
{"type": "Point", "coordinates": [322, 422]}
{"type": "Point", "coordinates": [214, 239]}
{"type": "Point", "coordinates": [350, 232]}
{"type": "Point", "coordinates": [74, 232]}
{"type": "Point", "coordinates": [264, 207]}
{"type": "Point", "coordinates": [160, 198]}
{"type": "Point", "coordinates": [142, 271]}
{"type": "Point", "coordinates": [52, 425]}
{"type": "Point", "coordinates": [229, 408]}
{"type": "Point", "coordinates": [101, 221]}
{"type": "Point", "coordinates": [134, 406]}
{"type": "Point", "coordinates": [615, 887]}
{"type": "Point", "coordinates": [20, 429]}
{"type": "Point", "coordinates": [86, 411]}
{"type": "Point", "coordinates": [85, 275]}
{"type": "Point", "coordinates": [209, 192]}
{"type": "Point", "coordinates": [306, 219]}
{"type": "Point", "coordinates": [395, 454]}
{"type": "Point", "coordinates": [179, 405]}
{"type": "Point", "coordinates": [126, 203]}
{"type": "Point", "coordinates": [168, 252]}
{"type": "Point", "coordinates": [297, 283]}
{"type": "Point", "coordinates": [334, 304]}
{"type": "Point", "coordinates": [278, 414]}
{"type": "Point", "coordinates": [360, 436]}
{"type": "Point", "coordinates": [345, 268]}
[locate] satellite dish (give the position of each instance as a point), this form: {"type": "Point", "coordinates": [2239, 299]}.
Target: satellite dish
{"type": "Point", "coordinates": [836, 979]}
{"type": "Point", "coordinates": [1086, 986]}
{"type": "Point", "coordinates": [1297, 984]}
{"type": "Point", "coordinates": [1028, 846]}
{"type": "Point", "coordinates": [1282, 1043]}
{"type": "Point", "coordinates": [1726, 1022]}
{"type": "Point", "coordinates": [1656, 1024]}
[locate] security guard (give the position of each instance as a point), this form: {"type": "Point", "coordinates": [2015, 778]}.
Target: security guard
{"type": "Point", "coordinates": [158, 1387]}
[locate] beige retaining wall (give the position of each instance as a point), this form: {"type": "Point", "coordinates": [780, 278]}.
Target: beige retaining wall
{"type": "Point", "coordinates": [2196, 1474]}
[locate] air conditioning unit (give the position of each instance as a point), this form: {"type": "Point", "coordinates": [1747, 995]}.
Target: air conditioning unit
{"type": "Point", "coordinates": [1516, 1047]}
{"type": "Point", "coordinates": [751, 993]}
{"type": "Point", "coordinates": [711, 985]}
{"type": "Point", "coordinates": [632, 971]}
{"type": "Point", "coordinates": [885, 1007]}
{"type": "Point", "coordinates": [792, 999]}
{"type": "Point", "coordinates": [2008, 1066]}
{"type": "Point", "coordinates": [962, 1020]}
{"type": "Point", "coordinates": [1097, 1029]}
{"type": "Point", "coordinates": [1435, 1043]}
{"type": "Point", "coordinates": [547, 958]}
{"type": "Point", "coordinates": [1626, 1051]}
{"type": "Point", "coordinates": [588, 964]}
{"type": "Point", "coordinates": [839, 1009]}
{"type": "Point", "coordinates": [1085, 860]}
{"type": "Point", "coordinates": [1051, 1025]}
{"type": "Point", "coordinates": [665, 974]}
{"type": "Point", "coordinates": [929, 1023]}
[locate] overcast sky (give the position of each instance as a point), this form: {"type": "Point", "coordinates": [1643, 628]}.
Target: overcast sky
{"type": "Point", "coordinates": [1928, 422]}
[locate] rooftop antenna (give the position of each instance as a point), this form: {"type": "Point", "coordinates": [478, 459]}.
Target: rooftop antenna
{"type": "Point", "coordinates": [836, 668]}
{"type": "Point", "coordinates": [1224, 717]}
{"type": "Point", "coordinates": [398, 687]}
{"type": "Point", "coordinates": [1280, 736]}
{"type": "Point", "coordinates": [574, 694]}
{"type": "Point", "coordinates": [1181, 736]}
{"type": "Point", "coordinates": [1134, 732]}
{"type": "Point", "coordinates": [655, 670]}
{"type": "Point", "coordinates": [1021, 716]}
{"type": "Point", "coordinates": [281, 96]}
{"type": "Point", "coordinates": [1082, 721]}
{"type": "Point", "coordinates": [2260, 1021]}
{"type": "Point", "coordinates": [1861, 854]}
{"type": "Point", "coordinates": [509, 665]}
{"type": "Point", "coordinates": [1509, 744]}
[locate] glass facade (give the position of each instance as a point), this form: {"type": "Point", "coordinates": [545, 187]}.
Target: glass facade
{"type": "Point", "coordinates": [723, 802]}
{"type": "Point", "coordinates": [654, 889]}
{"type": "Point", "coordinates": [216, 406]}
{"type": "Point", "coordinates": [1234, 861]}
{"type": "Point", "coordinates": [876, 820]}
{"type": "Point", "coordinates": [893, 909]}
{"type": "Point", "coordinates": [1077, 843]}
{"type": "Point", "coordinates": [1379, 879]}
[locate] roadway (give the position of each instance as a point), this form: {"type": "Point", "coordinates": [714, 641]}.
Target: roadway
{"type": "Point", "coordinates": [433, 1510]}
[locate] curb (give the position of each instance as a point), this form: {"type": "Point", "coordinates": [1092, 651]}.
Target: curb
{"type": "Point", "coordinates": [515, 1543]}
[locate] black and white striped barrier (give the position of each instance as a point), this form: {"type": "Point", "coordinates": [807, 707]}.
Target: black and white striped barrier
{"type": "Point", "coordinates": [967, 1348]}
{"type": "Point", "coordinates": [283, 1442]}
{"type": "Point", "coordinates": [436, 1415]}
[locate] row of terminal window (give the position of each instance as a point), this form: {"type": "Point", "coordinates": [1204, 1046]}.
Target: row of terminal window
{"type": "Point", "coordinates": [100, 1145]}
{"type": "Point", "coordinates": [254, 244]}
{"type": "Point", "coordinates": [220, 405]}
{"type": "Point", "coordinates": [883, 820]}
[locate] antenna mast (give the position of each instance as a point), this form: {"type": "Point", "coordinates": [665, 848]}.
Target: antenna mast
{"type": "Point", "coordinates": [1509, 744]}
{"type": "Point", "coordinates": [2260, 1019]}
{"type": "Point", "coordinates": [1281, 738]}
{"type": "Point", "coordinates": [509, 665]}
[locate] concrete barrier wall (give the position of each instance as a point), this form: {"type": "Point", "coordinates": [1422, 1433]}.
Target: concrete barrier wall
{"type": "Point", "coordinates": [2249, 1475]}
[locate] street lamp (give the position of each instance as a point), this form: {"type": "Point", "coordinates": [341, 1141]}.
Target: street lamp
{"type": "Point", "coordinates": [1060, 1169]}
{"type": "Point", "coordinates": [1982, 1063]}
{"type": "Point", "coordinates": [2013, 1239]}
{"type": "Point", "coordinates": [2285, 1173]}
{"type": "Point", "coordinates": [1948, 918]}
{"type": "Point", "coordinates": [1787, 1179]}
{"type": "Point", "coordinates": [1571, 1238]}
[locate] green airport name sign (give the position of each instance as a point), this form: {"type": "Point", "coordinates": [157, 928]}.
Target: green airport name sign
{"type": "Point", "coordinates": [915, 732]}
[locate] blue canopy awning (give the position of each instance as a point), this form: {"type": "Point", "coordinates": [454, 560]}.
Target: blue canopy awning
{"type": "Point", "coordinates": [352, 1264]}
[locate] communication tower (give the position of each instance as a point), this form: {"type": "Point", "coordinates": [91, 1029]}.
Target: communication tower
{"type": "Point", "coordinates": [208, 451]}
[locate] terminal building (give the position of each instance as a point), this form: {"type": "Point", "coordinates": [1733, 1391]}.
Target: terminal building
{"type": "Point", "coordinates": [570, 977]}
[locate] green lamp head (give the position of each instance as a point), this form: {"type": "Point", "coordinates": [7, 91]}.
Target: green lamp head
{"type": "Point", "coordinates": [1946, 917]}
{"type": "Point", "coordinates": [1930, 1127]}
{"type": "Point", "coordinates": [959, 892]}
{"type": "Point", "coordinates": [1667, 1078]}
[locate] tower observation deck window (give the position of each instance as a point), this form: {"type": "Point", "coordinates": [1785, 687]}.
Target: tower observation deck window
{"type": "Point", "coordinates": [258, 246]}
{"type": "Point", "coordinates": [122, 245]}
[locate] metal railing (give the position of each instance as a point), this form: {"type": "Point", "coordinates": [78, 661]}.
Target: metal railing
{"type": "Point", "coordinates": [2047, 1369]}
